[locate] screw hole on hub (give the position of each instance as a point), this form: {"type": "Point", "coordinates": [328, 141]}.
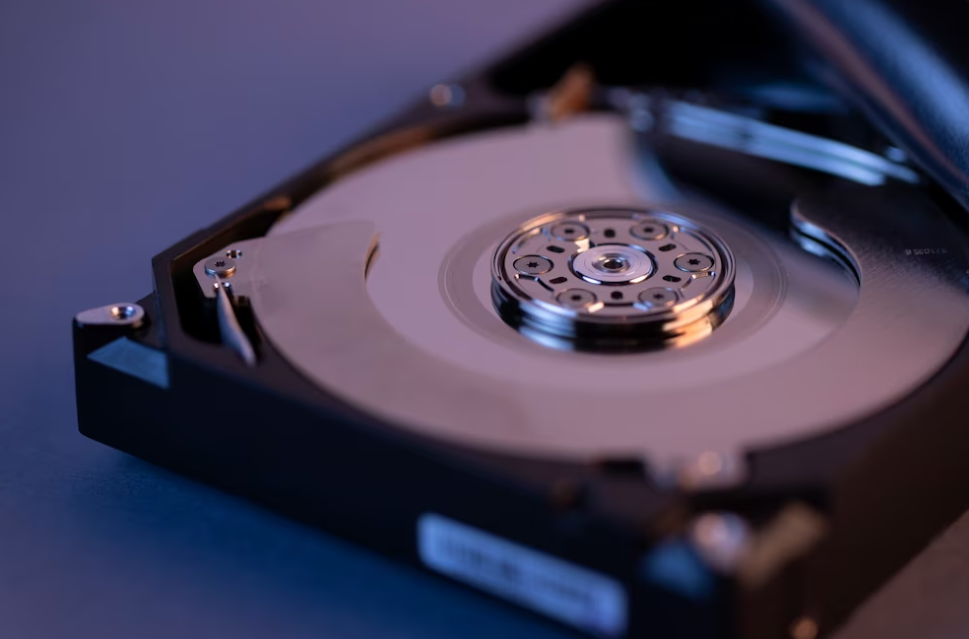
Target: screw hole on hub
{"type": "Point", "coordinates": [559, 280]}
{"type": "Point", "coordinates": [672, 278]}
{"type": "Point", "coordinates": [667, 247]}
{"type": "Point", "coordinates": [556, 249]}
{"type": "Point", "coordinates": [609, 233]}
{"type": "Point", "coordinates": [612, 264]}
{"type": "Point", "coordinates": [576, 298]}
{"type": "Point", "coordinates": [533, 264]}
{"type": "Point", "coordinates": [233, 254]}
{"type": "Point", "coordinates": [616, 295]}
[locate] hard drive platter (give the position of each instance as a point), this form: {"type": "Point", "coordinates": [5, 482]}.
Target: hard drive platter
{"type": "Point", "coordinates": [648, 349]}
{"type": "Point", "coordinates": [421, 342]}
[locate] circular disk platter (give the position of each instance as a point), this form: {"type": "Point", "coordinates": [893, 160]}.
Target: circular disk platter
{"type": "Point", "coordinates": [534, 294]}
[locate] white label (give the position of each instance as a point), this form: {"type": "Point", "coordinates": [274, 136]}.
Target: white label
{"type": "Point", "coordinates": [564, 591]}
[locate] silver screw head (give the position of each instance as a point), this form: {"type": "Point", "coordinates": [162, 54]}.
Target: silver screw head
{"type": "Point", "coordinates": [576, 298]}
{"type": "Point", "coordinates": [658, 297]}
{"type": "Point", "coordinates": [694, 262]}
{"type": "Point", "coordinates": [569, 231]}
{"type": "Point", "coordinates": [649, 230]}
{"type": "Point", "coordinates": [533, 265]}
{"type": "Point", "coordinates": [220, 266]}
{"type": "Point", "coordinates": [123, 314]}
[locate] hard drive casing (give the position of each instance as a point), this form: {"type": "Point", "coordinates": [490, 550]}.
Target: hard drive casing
{"type": "Point", "coordinates": [882, 488]}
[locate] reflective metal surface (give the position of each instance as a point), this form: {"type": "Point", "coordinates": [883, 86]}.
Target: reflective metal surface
{"type": "Point", "coordinates": [229, 329]}
{"type": "Point", "coordinates": [751, 136]}
{"type": "Point", "coordinates": [122, 314]}
{"type": "Point", "coordinates": [223, 276]}
{"type": "Point", "coordinates": [611, 279]}
{"type": "Point", "coordinates": [239, 256]}
{"type": "Point", "coordinates": [418, 343]}
{"type": "Point", "coordinates": [220, 266]}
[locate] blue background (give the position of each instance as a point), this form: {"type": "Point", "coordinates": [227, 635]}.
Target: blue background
{"type": "Point", "coordinates": [125, 126]}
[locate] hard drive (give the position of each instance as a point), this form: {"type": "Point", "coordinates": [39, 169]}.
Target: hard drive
{"type": "Point", "coordinates": [642, 328]}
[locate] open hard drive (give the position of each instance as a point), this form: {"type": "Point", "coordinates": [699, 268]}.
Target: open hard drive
{"type": "Point", "coordinates": [642, 328]}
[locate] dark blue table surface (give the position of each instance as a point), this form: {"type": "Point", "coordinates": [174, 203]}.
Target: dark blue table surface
{"type": "Point", "coordinates": [125, 126]}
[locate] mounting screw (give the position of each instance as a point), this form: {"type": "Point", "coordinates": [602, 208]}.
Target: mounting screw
{"type": "Point", "coordinates": [532, 265]}
{"type": "Point", "coordinates": [694, 262]}
{"type": "Point", "coordinates": [658, 297]}
{"type": "Point", "coordinates": [569, 231]}
{"type": "Point", "coordinates": [576, 298]}
{"type": "Point", "coordinates": [123, 314]}
{"type": "Point", "coordinates": [220, 266]}
{"type": "Point", "coordinates": [649, 230]}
